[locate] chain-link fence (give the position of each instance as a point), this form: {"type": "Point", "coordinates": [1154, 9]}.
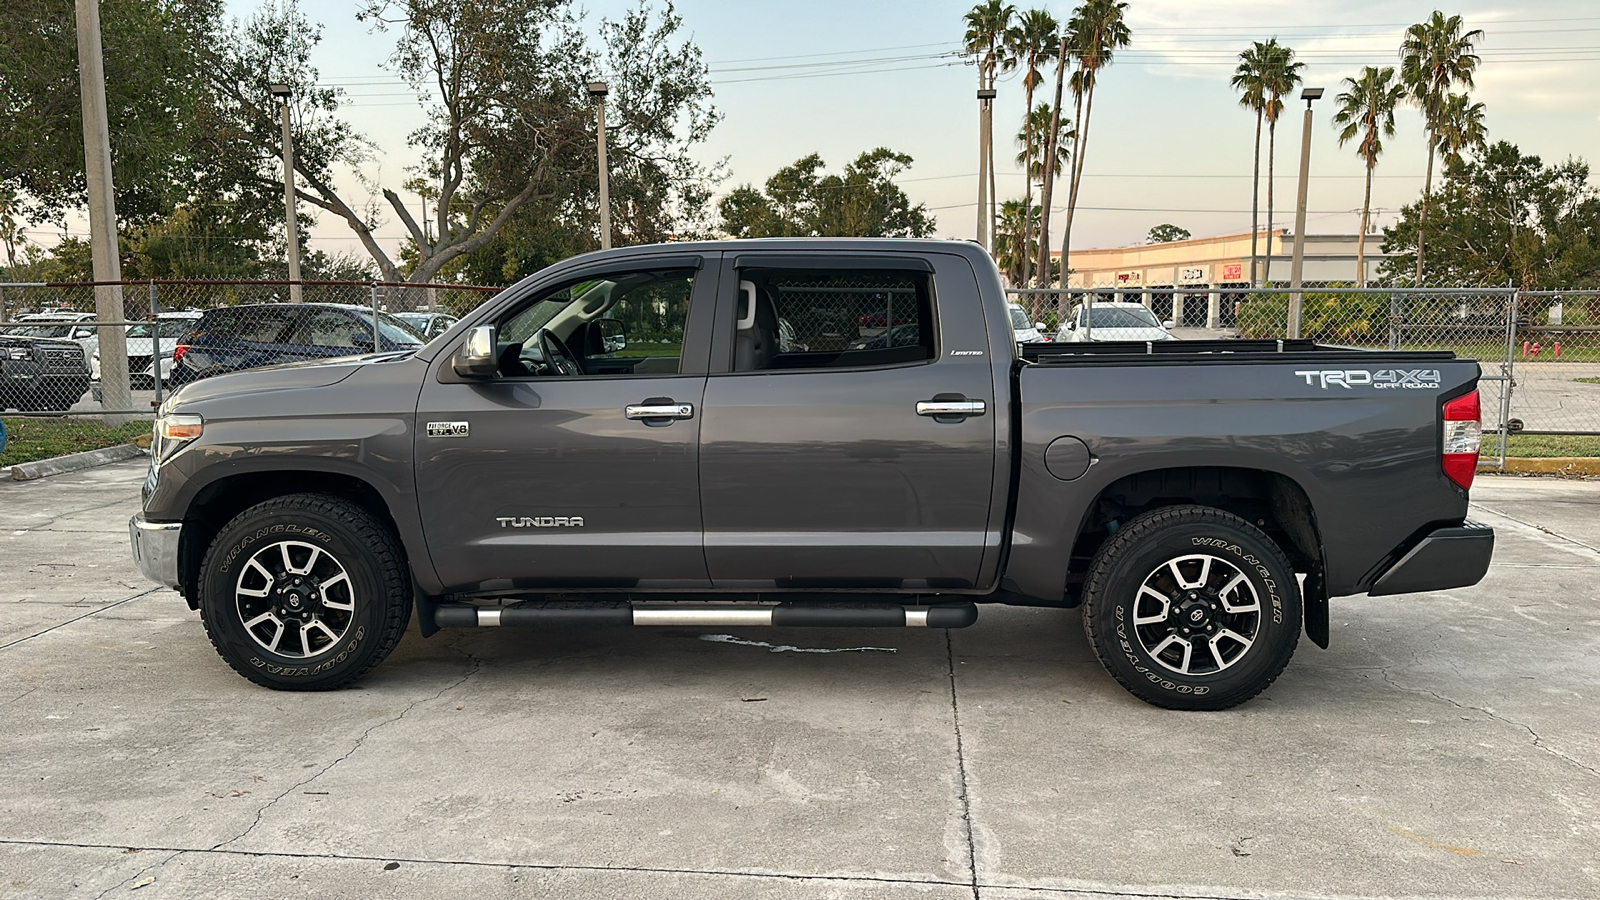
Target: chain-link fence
{"type": "Point", "coordinates": [57, 396]}
{"type": "Point", "coordinates": [847, 310]}
{"type": "Point", "coordinates": [1540, 350]}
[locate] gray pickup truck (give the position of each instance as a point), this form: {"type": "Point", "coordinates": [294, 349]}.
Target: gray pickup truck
{"type": "Point", "coordinates": [809, 433]}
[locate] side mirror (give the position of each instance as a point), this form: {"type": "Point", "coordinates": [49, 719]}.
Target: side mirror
{"type": "Point", "coordinates": [613, 334]}
{"type": "Point", "coordinates": [1170, 323]}
{"type": "Point", "coordinates": [477, 358]}
{"type": "Point", "coordinates": [1038, 326]}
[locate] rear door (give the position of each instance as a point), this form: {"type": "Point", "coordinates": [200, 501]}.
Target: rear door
{"type": "Point", "coordinates": [825, 462]}
{"type": "Point", "coordinates": [538, 480]}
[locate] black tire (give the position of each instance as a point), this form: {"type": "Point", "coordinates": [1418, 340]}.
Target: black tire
{"type": "Point", "coordinates": [352, 601]}
{"type": "Point", "coordinates": [1176, 630]}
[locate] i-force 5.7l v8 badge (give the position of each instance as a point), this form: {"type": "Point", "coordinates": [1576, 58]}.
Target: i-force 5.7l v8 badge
{"type": "Point", "coordinates": [447, 429]}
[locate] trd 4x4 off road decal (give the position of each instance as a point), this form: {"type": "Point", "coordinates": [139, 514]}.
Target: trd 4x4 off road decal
{"type": "Point", "coordinates": [1382, 379]}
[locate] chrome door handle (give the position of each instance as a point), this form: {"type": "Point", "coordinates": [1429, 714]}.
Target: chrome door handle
{"type": "Point", "coordinates": [951, 407]}
{"type": "Point", "coordinates": [660, 411]}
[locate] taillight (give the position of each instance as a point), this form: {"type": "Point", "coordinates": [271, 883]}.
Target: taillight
{"type": "Point", "coordinates": [1463, 430]}
{"type": "Point", "coordinates": [179, 351]}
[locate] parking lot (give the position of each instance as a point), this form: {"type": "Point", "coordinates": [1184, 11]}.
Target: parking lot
{"type": "Point", "coordinates": [1447, 745]}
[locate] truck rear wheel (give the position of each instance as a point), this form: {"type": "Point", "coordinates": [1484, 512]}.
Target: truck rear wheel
{"type": "Point", "coordinates": [1191, 607]}
{"type": "Point", "coordinates": [305, 592]}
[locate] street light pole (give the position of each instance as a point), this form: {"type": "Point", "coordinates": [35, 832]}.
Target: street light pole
{"type": "Point", "coordinates": [103, 247]}
{"type": "Point", "coordinates": [1298, 263]}
{"type": "Point", "coordinates": [985, 222]}
{"type": "Point", "coordinates": [282, 93]}
{"type": "Point", "coordinates": [598, 91]}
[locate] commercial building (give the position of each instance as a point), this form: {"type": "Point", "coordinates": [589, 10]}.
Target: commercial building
{"type": "Point", "coordinates": [1195, 282]}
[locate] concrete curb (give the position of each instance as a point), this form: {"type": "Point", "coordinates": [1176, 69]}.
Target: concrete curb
{"type": "Point", "coordinates": [73, 462]}
{"type": "Point", "coordinates": [1566, 466]}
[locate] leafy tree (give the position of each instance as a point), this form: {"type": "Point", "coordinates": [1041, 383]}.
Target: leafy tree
{"type": "Point", "coordinates": [1162, 234]}
{"type": "Point", "coordinates": [1250, 79]}
{"type": "Point", "coordinates": [1033, 163]}
{"type": "Point", "coordinates": [152, 64]}
{"type": "Point", "coordinates": [1502, 217]}
{"type": "Point", "coordinates": [1281, 75]}
{"type": "Point", "coordinates": [1435, 56]}
{"type": "Point", "coordinates": [1031, 43]}
{"type": "Point", "coordinates": [1366, 110]}
{"type": "Point", "coordinates": [801, 201]}
{"type": "Point", "coordinates": [510, 129]}
{"type": "Point", "coordinates": [987, 24]}
{"type": "Point", "coordinates": [1097, 30]}
{"type": "Point", "coordinates": [1011, 246]}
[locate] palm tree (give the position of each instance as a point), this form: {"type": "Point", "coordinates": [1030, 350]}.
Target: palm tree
{"type": "Point", "coordinates": [1011, 246]}
{"type": "Point", "coordinates": [1032, 159]}
{"type": "Point", "coordinates": [1434, 56]}
{"type": "Point", "coordinates": [1030, 43]}
{"type": "Point", "coordinates": [1366, 109]}
{"type": "Point", "coordinates": [1460, 129]}
{"type": "Point", "coordinates": [1249, 79]}
{"type": "Point", "coordinates": [1097, 31]}
{"type": "Point", "coordinates": [987, 24]}
{"type": "Point", "coordinates": [1279, 78]}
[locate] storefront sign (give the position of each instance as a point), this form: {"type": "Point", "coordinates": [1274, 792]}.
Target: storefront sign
{"type": "Point", "coordinates": [1191, 275]}
{"type": "Point", "coordinates": [1232, 272]}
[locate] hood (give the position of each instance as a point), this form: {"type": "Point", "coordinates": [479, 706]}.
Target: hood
{"type": "Point", "coordinates": [1124, 334]}
{"type": "Point", "coordinates": [314, 373]}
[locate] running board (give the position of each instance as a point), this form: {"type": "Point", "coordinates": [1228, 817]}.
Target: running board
{"type": "Point", "coordinates": [569, 614]}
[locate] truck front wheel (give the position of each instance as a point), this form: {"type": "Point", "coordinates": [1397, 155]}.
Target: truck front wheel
{"type": "Point", "coordinates": [305, 592]}
{"type": "Point", "coordinates": [1191, 607]}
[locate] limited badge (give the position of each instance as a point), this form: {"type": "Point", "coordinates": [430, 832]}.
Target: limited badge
{"type": "Point", "coordinates": [447, 429]}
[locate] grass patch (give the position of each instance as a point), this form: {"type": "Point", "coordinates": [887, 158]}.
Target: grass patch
{"type": "Point", "coordinates": [1587, 380]}
{"type": "Point", "coordinates": [29, 440]}
{"type": "Point", "coordinates": [1535, 446]}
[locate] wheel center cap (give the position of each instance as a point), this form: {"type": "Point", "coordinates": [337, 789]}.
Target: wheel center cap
{"type": "Point", "coordinates": [294, 601]}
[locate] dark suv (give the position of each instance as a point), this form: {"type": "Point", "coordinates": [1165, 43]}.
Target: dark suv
{"type": "Point", "coordinates": [38, 374]}
{"type": "Point", "coordinates": [231, 338]}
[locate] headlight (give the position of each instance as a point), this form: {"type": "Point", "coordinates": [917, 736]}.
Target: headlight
{"type": "Point", "coordinates": [172, 432]}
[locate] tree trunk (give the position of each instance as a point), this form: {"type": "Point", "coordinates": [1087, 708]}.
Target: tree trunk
{"type": "Point", "coordinates": [1422, 221]}
{"type": "Point", "coordinates": [1074, 170]}
{"type": "Point", "coordinates": [1361, 239]}
{"type": "Point", "coordinates": [1027, 189]}
{"type": "Point", "coordinates": [1051, 151]}
{"type": "Point", "coordinates": [1255, 208]}
{"type": "Point", "coordinates": [1272, 151]}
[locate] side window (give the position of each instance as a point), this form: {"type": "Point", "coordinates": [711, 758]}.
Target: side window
{"type": "Point", "coordinates": [833, 318]}
{"type": "Point", "coordinates": [627, 323]}
{"type": "Point", "coordinates": [328, 328]}
{"type": "Point", "coordinates": [262, 325]}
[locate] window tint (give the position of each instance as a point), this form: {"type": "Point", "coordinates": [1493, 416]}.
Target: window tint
{"type": "Point", "coordinates": [329, 328]}
{"type": "Point", "coordinates": [652, 307]}
{"type": "Point", "coordinates": [259, 324]}
{"type": "Point", "coordinates": [834, 318]}
{"type": "Point", "coordinates": [1122, 317]}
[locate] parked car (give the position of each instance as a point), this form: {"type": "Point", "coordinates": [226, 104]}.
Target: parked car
{"type": "Point", "coordinates": [231, 338]}
{"type": "Point", "coordinates": [143, 358]}
{"type": "Point", "coordinates": [1201, 500]}
{"type": "Point", "coordinates": [1113, 322]}
{"type": "Point", "coordinates": [428, 324]}
{"type": "Point", "coordinates": [1024, 331]}
{"type": "Point", "coordinates": [65, 326]}
{"type": "Point", "coordinates": [41, 374]}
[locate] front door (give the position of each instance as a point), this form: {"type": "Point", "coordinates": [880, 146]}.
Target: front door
{"type": "Point", "coordinates": [577, 465]}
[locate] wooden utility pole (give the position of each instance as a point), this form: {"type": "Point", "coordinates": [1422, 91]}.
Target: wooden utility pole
{"type": "Point", "coordinates": [102, 213]}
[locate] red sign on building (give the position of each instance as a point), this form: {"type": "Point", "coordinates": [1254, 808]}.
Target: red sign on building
{"type": "Point", "coordinates": [1232, 272]}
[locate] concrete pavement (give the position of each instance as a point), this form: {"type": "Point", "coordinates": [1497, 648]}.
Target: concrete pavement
{"type": "Point", "coordinates": [1448, 745]}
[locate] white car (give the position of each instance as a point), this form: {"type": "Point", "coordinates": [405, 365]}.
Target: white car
{"type": "Point", "coordinates": [170, 326]}
{"type": "Point", "coordinates": [1113, 322]}
{"type": "Point", "coordinates": [1025, 332]}
{"type": "Point", "coordinates": [63, 326]}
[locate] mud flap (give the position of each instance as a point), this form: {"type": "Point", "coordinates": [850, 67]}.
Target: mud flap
{"type": "Point", "coordinates": [1315, 597]}
{"type": "Point", "coordinates": [426, 608]}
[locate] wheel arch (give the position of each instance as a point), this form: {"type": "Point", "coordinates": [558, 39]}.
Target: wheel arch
{"type": "Point", "coordinates": [218, 502]}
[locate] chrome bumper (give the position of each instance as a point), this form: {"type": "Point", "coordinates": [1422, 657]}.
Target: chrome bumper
{"type": "Point", "coordinates": [155, 549]}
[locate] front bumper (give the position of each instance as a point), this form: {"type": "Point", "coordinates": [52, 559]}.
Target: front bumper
{"type": "Point", "coordinates": [1457, 556]}
{"type": "Point", "coordinates": [155, 549]}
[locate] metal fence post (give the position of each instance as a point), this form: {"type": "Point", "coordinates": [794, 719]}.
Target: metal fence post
{"type": "Point", "coordinates": [1507, 373]}
{"type": "Point", "coordinates": [1088, 316]}
{"type": "Point", "coordinates": [375, 345]}
{"type": "Point", "coordinates": [155, 341]}
{"type": "Point", "coordinates": [1395, 316]}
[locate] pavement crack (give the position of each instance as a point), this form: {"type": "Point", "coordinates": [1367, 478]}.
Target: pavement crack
{"type": "Point", "coordinates": [961, 766]}
{"type": "Point", "coordinates": [473, 667]}
{"type": "Point", "coordinates": [1539, 528]}
{"type": "Point", "coordinates": [1538, 739]}
{"type": "Point", "coordinates": [92, 612]}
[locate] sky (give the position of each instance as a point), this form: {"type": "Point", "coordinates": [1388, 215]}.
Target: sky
{"type": "Point", "coordinates": [1169, 142]}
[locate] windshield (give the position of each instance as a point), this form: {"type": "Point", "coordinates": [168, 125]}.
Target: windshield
{"type": "Point", "coordinates": [40, 331]}
{"type": "Point", "coordinates": [394, 330]}
{"type": "Point", "coordinates": [1019, 319]}
{"type": "Point", "coordinates": [169, 328]}
{"type": "Point", "coordinates": [1122, 317]}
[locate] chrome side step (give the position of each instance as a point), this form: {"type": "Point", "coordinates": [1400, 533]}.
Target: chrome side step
{"type": "Point", "coordinates": [558, 614]}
